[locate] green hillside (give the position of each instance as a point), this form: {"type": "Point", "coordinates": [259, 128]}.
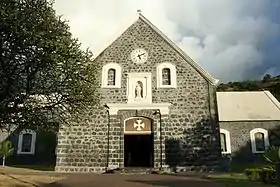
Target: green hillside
{"type": "Point", "coordinates": [268, 83]}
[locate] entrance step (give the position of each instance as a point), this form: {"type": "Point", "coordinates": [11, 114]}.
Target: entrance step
{"type": "Point", "coordinates": [136, 170]}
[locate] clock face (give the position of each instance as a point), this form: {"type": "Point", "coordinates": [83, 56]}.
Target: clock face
{"type": "Point", "coordinates": [139, 56]}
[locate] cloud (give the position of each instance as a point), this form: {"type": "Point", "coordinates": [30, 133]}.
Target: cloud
{"type": "Point", "coordinates": [232, 39]}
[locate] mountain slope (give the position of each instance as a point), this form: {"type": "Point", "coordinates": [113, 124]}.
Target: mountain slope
{"type": "Point", "coordinates": [268, 83]}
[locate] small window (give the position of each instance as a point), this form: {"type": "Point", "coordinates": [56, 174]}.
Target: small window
{"type": "Point", "coordinates": [225, 141]}
{"type": "Point", "coordinates": [26, 142]}
{"type": "Point", "coordinates": [259, 140]}
{"type": "Point", "coordinates": [166, 76]}
{"type": "Point", "coordinates": [111, 77]}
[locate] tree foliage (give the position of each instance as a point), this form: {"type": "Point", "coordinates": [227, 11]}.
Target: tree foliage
{"type": "Point", "coordinates": [272, 155]}
{"type": "Point", "coordinates": [44, 74]}
{"type": "Point", "coordinates": [6, 150]}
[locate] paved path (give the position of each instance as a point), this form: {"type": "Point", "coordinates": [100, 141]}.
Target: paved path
{"type": "Point", "coordinates": [116, 180]}
{"type": "Point", "coordinates": [113, 180]}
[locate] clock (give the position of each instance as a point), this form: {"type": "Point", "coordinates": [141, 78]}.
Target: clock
{"type": "Point", "coordinates": [139, 56]}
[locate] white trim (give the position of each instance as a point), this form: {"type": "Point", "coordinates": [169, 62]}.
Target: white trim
{"type": "Point", "coordinates": [272, 99]}
{"type": "Point", "coordinates": [173, 75]}
{"type": "Point", "coordinates": [137, 132]}
{"type": "Point", "coordinates": [253, 141]}
{"type": "Point", "coordinates": [118, 74]}
{"type": "Point", "coordinates": [228, 142]}
{"type": "Point", "coordinates": [20, 140]}
{"type": "Point", "coordinates": [190, 61]}
{"type": "Point", "coordinates": [146, 79]}
{"type": "Point", "coordinates": [163, 107]}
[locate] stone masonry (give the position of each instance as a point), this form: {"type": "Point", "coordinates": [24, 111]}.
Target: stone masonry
{"type": "Point", "coordinates": [190, 131]}
{"type": "Point", "coordinates": [240, 137]}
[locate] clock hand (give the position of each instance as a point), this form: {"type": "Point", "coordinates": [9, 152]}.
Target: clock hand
{"type": "Point", "coordinates": [139, 56]}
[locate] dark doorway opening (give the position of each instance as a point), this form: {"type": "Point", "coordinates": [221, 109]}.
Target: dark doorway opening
{"type": "Point", "coordinates": [138, 150]}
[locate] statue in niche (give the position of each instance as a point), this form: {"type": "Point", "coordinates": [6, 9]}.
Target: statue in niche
{"type": "Point", "coordinates": [139, 90]}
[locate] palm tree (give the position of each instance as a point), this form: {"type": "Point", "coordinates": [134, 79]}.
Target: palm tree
{"type": "Point", "coordinates": [272, 155]}
{"type": "Point", "coordinates": [5, 150]}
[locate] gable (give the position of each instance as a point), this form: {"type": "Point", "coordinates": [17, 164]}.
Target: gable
{"type": "Point", "coordinates": [141, 32]}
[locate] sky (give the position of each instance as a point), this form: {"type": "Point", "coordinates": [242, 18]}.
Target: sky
{"type": "Point", "coordinates": [232, 39]}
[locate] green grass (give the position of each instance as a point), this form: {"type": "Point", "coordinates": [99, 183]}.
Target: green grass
{"type": "Point", "coordinates": [241, 167]}
{"type": "Point", "coordinates": [236, 180]}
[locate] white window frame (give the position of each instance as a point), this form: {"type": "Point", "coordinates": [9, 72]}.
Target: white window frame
{"type": "Point", "coordinates": [253, 141]}
{"type": "Point", "coordinates": [105, 70]}
{"type": "Point", "coordinates": [173, 75]}
{"type": "Point", "coordinates": [33, 142]}
{"type": "Point", "coordinates": [228, 143]}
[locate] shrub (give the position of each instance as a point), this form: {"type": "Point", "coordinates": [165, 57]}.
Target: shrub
{"type": "Point", "coordinates": [253, 174]}
{"type": "Point", "coordinates": [266, 175]}
{"type": "Point", "coordinates": [272, 154]}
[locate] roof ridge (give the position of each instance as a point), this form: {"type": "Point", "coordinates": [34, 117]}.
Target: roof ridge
{"type": "Point", "coordinates": [272, 98]}
{"type": "Point", "coordinates": [139, 15]}
{"type": "Point", "coordinates": [194, 64]}
{"type": "Point", "coordinates": [123, 26]}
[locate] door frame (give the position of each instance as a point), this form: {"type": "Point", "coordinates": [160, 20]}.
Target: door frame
{"type": "Point", "coordinates": [153, 133]}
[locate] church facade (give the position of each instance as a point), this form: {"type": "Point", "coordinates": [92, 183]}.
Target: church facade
{"type": "Point", "coordinates": [157, 110]}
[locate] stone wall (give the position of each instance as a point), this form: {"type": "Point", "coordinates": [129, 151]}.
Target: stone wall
{"type": "Point", "coordinates": [241, 150]}
{"type": "Point", "coordinates": [190, 132]}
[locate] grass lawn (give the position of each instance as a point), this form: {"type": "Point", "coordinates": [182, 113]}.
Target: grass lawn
{"type": "Point", "coordinates": [238, 168]}
{"type": "Point", "coordinates": [236, 180]}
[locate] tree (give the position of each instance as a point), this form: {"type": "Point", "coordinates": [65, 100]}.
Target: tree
{"type": "Point", "coordinates": [266, 78]}
{"type": "Point", "coordinates": [44, 75]}
{"type": "Point", "coordinates": [5, 150]}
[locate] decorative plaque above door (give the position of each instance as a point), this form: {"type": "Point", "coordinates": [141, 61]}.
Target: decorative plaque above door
{"type": "Point", "coordinates": [137, 125]}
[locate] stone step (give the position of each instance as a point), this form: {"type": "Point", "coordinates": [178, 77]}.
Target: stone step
{"type": "Point", "coordinates": [136, 170]}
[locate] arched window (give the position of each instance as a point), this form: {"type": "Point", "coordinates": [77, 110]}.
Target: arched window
{"type": "Point", "coordinates": [26, 142]}
{"type": "Point", "coordinates": [111, 77]}
{"type": "Point", "coordinates": [166, 76]}
{"type": "Point", "coordinates": [259, 140]}
{"type": "Point", "coordinates": [225, 141]}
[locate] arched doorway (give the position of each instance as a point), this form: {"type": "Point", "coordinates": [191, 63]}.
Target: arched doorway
{"type": "Point", "coordinates": [138, 142]}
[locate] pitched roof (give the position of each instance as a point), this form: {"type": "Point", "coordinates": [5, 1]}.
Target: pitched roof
{"type": "Point", "coordinates": [247, 106]}
{"type": "Point", "coordinates": [194, 64]}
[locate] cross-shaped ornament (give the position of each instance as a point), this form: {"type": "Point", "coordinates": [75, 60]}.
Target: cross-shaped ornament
{"type": "Point", "coordinates": [138, 125]}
